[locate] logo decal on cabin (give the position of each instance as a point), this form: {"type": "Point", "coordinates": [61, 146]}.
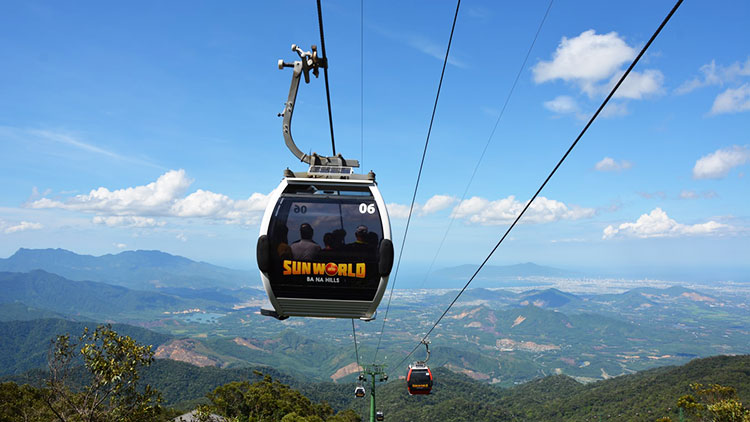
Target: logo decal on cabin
{"type": "Point", "coordinates": [357, 270]}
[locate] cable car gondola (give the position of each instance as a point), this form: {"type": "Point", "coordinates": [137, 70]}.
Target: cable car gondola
{"type": "Point", "coordinates": [359, 391]}
{"type": "Point", "coordinates": [325, 247]}
{"type": "Point", "coordinates": [419, 377]}
{"type": "Point", "coordinates": [379, 416]}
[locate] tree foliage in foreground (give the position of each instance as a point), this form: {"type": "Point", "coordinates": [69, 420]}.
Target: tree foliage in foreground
{"type": "Point", "coordinates": [714, 403]}
{"type": "Point", "coordinates": [270, 400]}
{"type": "Point", "coordinates": [112, 393]}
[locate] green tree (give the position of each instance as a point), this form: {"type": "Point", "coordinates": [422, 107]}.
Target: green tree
{"type": "Point", "coordinates": [23, 403]}
{"type": "Point", "coordinates": [112, 392]}
{"type": "Point", "coordinates": [714, 403]}
{"type": "Point", "coordinates": [270, 400]}
{"type": "Point", "coordinates": [347, 415]}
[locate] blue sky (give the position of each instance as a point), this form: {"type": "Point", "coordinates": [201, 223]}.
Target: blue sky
{"type": "Point", "coordinates": [153, 126]}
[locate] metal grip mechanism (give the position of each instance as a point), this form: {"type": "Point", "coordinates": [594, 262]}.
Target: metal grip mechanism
{"type": "Point", "coordinates": [309, 62]}
{"type": "Point", "coordinates": [427, 346]}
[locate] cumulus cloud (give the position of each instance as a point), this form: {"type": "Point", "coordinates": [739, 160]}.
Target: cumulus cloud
{"type": "Point", "coordinates": [154, 198]}
{"type": "Point", "coordinates": [502, 211]}
{"type": "Point", "coordinates": [658, 224]}
{"type": "Point", "coordinates": [437, 203]}
{"type": "Point", "coordinates": [434, 204]}
{"type": "Point", "coordinates": [637, 85]}
{"type": "Point", "coordinates": [718, 164]}
{"type": "Point", "coordinates": [594, 63]}
{"type": "Point", "coordinates": [609, 164]}
{"type": "Point", "coordinates": [733, 100]}
{"type": "Point", "coordinates": [20, 227]}
{"type": "Point", "coordinates": [505, 210]}
{"type": "Point", "coordinates": [397, 210]}
{"type": "Point", "coordinates": [120, 245]}
{"type": "Point", "coordinates": [585, 59]}
{"type": "Point", "coordinates": [713, 74]}
{"type": "Point", "coordinates": [135, 206]}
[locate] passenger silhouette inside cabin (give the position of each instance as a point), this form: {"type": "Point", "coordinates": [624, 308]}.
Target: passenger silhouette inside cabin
{"type": "Point", "coordinates": [305, 249]}
{"type": "Point", "coordinates": [280, 238]}
{"type": "Point", "coordinates": [360, 244]}
{"type": "Point", "coordinates": [328, 242]}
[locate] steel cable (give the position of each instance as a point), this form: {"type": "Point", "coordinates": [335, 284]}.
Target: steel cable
{"type": "Point", "coordinates": [419, 176]}
{"type": "Point", "coordinates": [554, 170]}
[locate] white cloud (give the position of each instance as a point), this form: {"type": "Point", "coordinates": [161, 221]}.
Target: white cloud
{"type": "Point", "coordinates": [469, 207]}
{"type": "Point", "coordinates": [594, 63]}
{"type": "Point", "coordinates": [434, 204]}
{"type": "Point", "coordinates": [718, 164]}
{"type": "Point", "coordinates": [637, 85]}
{"type": "Point", "coordinates": [585, 59]}
{"type": "Point", "coordinates": [162, 198]}
{"type": "Point", "coordinates": [609, 164]}
{"type": "Point", "coordinates": [562, 104]}
{"type": "Point", "coordinates": [716, 75]}
{"type": "Point", "coordinates": [154, 198]}
{"type": "Point", "coordinates": [504, 211]}
{"type": "Point", "coordinates": [397, 210]}
{"type": "Point", "coordinates": [181, 237]}
{"type": "Point", "coordinates": [120, 245]}
{"type": "Point", "coordinates": [733, 100]}
{"type": "Point", "coordinates": [126, 221]}
{"type": "Point", "coordinates": [20, 227]}
{"type": "Point", "coordinates": [658, 224]}
{"type": "Point", "coordinates": [437, 203]}
{"type": "Point", "coordinates": [218, 206]}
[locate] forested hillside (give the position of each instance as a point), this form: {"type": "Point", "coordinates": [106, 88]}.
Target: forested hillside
{"type": "Point", "coordinates": [24, 344]}
{"type": "Point", "coordinates": [639, 397]}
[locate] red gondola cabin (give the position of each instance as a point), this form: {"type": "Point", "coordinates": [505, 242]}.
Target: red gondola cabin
{"type": "Point", "coordinates": [419, 379]}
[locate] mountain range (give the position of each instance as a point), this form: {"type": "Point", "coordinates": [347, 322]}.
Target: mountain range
{"type": "Point", "coordinates": [141, 270]}
{"type": "Point", "coordinates": [497, 336]}
{"type": "Point", "coordinates": [149, 270]}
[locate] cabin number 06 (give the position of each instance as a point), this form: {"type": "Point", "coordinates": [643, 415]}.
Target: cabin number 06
{"type": "Point", "coordinates": [368, 209]}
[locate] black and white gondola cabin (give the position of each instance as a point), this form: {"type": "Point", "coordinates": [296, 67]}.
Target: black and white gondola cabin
{"type": "Point", "coordinates": [325, 245]}
{"type": "Point", "coordinates": [324, 248]}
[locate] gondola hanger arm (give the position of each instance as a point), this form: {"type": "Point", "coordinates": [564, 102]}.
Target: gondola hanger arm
{"type": "Point", "coordinates": [309, 62]}
{"type": "Point", "coordinates": [427, 347]}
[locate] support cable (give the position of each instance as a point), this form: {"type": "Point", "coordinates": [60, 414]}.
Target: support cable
{"type": "Point", "coordinates": [325, 75]}
{"type": "Point", "coordinates": [362, 85]}
{"type": "Point", "coordinates": [487, 144]}
{"type": "Point", "coordinates": [419, 176]}
{"type": "Point", "coordinates": [356, 350]}
{"type": "Point", "coordinates": [528, 204]}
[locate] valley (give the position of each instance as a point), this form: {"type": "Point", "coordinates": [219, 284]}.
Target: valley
{"type": "Point", "coordinates": [591, 330]}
